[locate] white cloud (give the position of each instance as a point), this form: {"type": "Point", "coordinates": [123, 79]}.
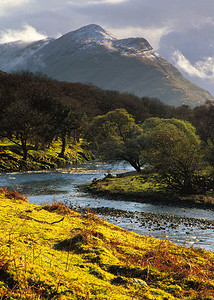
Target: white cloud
{"type": "Point", "coordinates": [92, 2]}
{"type": "Point", "coordinates": [203, 69]}
{"type": "Point", "coordinates": [152, 35]}
{"type": "Point", "coordinates": [7, 4]}
{"type": "Point", "coordinates": [26, 34]}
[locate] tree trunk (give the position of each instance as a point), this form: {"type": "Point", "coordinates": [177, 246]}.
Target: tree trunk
{"type": "Point", "coordinates": [64, 143]}
{"type": "Point", "coordinates": [135, 165]}
{"type": "Point", "coordinates": [24, 149]}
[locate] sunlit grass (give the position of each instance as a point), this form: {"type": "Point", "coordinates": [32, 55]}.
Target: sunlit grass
{"type": "Point", "coordinates": [131, 184]}
{"type": "Point", "coordinates": [52, 252]}
{"type": "Point", "coordinates": [11, 159]}
{"type": "Point", "coordinates": [147, 186]}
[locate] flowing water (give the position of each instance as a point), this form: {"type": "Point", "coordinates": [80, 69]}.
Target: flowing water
{"type": "Point", "coordinates": [183, 226]}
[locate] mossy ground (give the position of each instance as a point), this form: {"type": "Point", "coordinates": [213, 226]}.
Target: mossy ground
{"type": "Point", "coordinates": [147, 186]}
{"type": "Point", "coordinates": [52, 252]}
{"type": "Point", "coordinates": [11, 159]}
{"type": "Point", "coordinates": [134, 183]}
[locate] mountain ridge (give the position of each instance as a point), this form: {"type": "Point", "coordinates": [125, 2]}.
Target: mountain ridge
{"type": "Point", "coordinates": [92, 55]}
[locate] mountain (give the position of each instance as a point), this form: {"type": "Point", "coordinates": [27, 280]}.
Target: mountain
{"type": "Point", "coordinates": [16, 53]}
{"type": "Point", "coordinates": [92, 55]}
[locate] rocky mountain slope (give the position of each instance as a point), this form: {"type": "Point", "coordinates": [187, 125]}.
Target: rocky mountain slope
{"type": "Point", "coordinates": [92, 55]}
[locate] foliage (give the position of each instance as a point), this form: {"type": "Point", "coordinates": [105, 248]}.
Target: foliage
{"type": "Point", "coordinates": [203, 119]}
{"type": "Point", "coordinates": [11, 157]}
{"type": "Point", "coordinates": [114, 136]}
{"type": "Point", "coordinates": [148, 186]}
{"type": "Point", "coordinates": [173, 148]}
{"type": "Point", "coordinates": [36, 111]}
{"type": "Point", "coordinates": [23, 123]}
{"type": "Point", "coordinates": [67, 123]}
{"type": "Point", "coordinates": [210, 155]}
{"type": "Point", "coordinates": [80, 256]}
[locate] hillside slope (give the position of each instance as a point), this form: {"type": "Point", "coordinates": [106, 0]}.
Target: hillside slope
{"type": "Point", "coordinates": [91, 55]}
{"type": "Point", "coordinates": [52, 252]}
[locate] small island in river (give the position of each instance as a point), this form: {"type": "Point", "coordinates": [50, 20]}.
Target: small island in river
{"type": "Point", "coordinates": [146, 187]}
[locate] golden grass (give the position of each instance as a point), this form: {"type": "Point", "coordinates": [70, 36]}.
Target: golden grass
{"type": "Point", "coordinates": [44, 255]}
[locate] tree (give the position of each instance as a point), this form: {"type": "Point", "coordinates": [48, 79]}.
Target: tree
{"type": "Point", "coordinates": [155, 107]}
{"type": "Point", "coordinates": [173, 149]}
{"type": "Point", "coordinates": [114, 136]}
{"type": "Point", "coordinates": [26, 112]}
{"type": "Point", "coordinates": [67, 123]}
{"type": "Point", "coordinates": [23, 124]}
{"type": "Point", "coordinates": [203, 119]}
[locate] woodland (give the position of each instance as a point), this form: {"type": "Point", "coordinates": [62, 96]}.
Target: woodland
{"type": "Point", "coordinates": [177, 143]}
{"type": "Point", "coordinates": [51, 251]}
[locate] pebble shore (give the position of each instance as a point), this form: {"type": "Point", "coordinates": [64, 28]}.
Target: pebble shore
{"type": "Point", "coordinates": [155, 220]}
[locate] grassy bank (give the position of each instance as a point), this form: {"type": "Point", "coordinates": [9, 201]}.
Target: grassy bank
{"type": "Point", "coordinates": [52, 252]}
{"type": "Point", "coordinates": [146, 187]}
{"type": "Point", "coordinates": [11, 158]}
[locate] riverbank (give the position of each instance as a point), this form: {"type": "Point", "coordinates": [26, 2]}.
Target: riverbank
{"type": "Point", "coordinates": [156, 221]}
{"type": "Point", "coordinates": [146, 188]}
{"type": "Point", "coordinates": [11, 157]}
{"type": "Point", "coordinates": [53, 252]}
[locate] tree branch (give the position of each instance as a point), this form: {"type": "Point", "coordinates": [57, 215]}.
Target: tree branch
{"type": "Point", "coordinates": [39, 221]}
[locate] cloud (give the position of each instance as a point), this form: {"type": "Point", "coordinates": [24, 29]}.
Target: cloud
{"type": "Point", "coordinates": [169, 26]}
{"type": "Point", "coordinates": [152, 35]}
{"type": "Point", "coordinates": [9, 3]}
{"type": "Point", "coordinates": [26, 34]}
{"type": "Point", "coordinates": [149, 16]}
{"type": "Point", "coordinates": [92, 2]}
{"type": "Point", "coordinates": [203, 69]}
{"type": "Point", "coordinates": [5, 5]}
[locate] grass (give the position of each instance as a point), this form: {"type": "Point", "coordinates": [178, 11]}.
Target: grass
{"type": "Point", "coordinates": [147, 186]}
{"type": "Point", "coordinates": [144, 185]}
{"type": "Point", "coordinates": [133, 184]}
{"type": "Point", "coordinates": [11, 159]}
{"type": "Point", "coordinates": [52, 252]}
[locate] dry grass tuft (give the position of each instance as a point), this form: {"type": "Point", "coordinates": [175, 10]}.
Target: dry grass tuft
{"type": "Point", "coordinates": [57, 207]}
{"type": "Point", "coordinates": [13, 194]}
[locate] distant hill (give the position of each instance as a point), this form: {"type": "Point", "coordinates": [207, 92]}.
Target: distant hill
{"type": "Point", "coordinates": [82, 98]}
{"type": "Point", "coordinates": [92, 55]}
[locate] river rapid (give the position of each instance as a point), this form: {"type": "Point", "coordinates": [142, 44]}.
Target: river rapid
{"type": "Point", "coordinates": [184, 226]}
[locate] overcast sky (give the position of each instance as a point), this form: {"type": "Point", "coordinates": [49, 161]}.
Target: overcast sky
{"type": "Point", "coordinates": [180, 30]}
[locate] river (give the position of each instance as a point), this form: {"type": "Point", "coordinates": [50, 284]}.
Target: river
{"type": "Point", "coordinates": [183, 226]}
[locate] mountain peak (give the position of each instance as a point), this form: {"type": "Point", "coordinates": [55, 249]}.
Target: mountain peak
{"type": "Point", "coordinates": [91, 54]}
{"type": "Point", "coordinates": [134, 44]}
{"type": "Point", "coordinates": [95, 34]}
{"type": "Point", "coordinates": [90, 33]}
